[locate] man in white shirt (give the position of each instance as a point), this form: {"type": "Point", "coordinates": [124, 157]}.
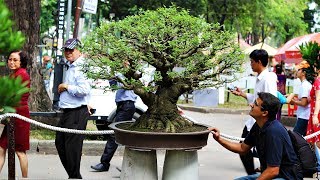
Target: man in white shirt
{"type": "Point", "coordinates": [74, 98]}
{"type": "Point", "coordinates": [266, 82]}
{"type": "Point", "coordinates": [303, 110]}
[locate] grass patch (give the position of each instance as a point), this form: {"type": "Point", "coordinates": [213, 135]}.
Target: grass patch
{"type": "Point", "coordinates": [234, 102]}
{"type": "Point", "coordinates": [45, 134]}
{"type": "Point", "coordinates": [42, 134]}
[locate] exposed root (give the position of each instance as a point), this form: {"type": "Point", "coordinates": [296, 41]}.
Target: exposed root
{"type": "Point", "coordinates": [162, 124]}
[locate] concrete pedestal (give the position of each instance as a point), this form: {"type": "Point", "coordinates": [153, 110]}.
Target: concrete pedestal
{"type": "Point", "coordinates": [139, 165]}
{"type": "Point", "coordinates": [181, 165]}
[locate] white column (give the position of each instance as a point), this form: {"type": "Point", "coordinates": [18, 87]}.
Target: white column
{"type": "Point", "coordinates": [180, 165]}
{"type": "Point", "coordinates": [139, 165]}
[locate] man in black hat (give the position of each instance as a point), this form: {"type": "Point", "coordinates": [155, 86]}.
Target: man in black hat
{"type": "Point", "coordinates": [74, 98]}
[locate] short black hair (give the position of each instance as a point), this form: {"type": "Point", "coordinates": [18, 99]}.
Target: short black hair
{"type": "Point", "coordinates": [24, 58]}
{"type": "Point", "coordinates": [260, 54]}
{"type": "Point", "coordinates": [270, 103]}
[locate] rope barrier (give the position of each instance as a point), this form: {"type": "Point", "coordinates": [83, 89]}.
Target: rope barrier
{"type": "Point", "coordinates": [231, 137]}
{"type": "Point", "coordinates": [242, 139]}
{"type": "Point", "coordinates": [75, 131]}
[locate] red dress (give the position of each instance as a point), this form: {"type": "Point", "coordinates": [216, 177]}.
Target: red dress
{"type": "Point", "coordinates": [313, 128]}
{"type": "Point", "coordinates": [22, 128]}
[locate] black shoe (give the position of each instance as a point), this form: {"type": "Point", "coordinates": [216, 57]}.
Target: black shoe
{"type": "Point", "coordinates": [101, 167]}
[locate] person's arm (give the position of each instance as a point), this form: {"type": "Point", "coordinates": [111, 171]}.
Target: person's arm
{"type": "Point", "coordinates": [290, 98]}
{"type": "Point", "coordinates": [270, 173]}
{"type": "Point", "coordinates": [81, 88]}
{"type": "Point", "coordinates": [315, 119]}
{"type": "Point", "coordinates": [302, 102]}
{"type": "Point", "coordinates": [240, 148]}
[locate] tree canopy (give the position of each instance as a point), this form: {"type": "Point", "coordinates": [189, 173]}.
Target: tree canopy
{"type": "Point", "coordinates": [163, 39]}
{"type": "Point", "coordinates": [279, 19]}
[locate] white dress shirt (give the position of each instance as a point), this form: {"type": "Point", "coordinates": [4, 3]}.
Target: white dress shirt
{"type": "Point", "coordinates": [79, 87]}
{"type": "Point", "coordinates": [266, 82]}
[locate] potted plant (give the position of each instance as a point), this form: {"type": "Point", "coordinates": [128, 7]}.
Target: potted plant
{"type": "Point", "coordinates": [185, 52]}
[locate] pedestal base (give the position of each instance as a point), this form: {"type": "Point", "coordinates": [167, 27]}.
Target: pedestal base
{"type": "Point", "coordinates": [139, 165]}
{"type": "Point", "coordinates": [180, 165]}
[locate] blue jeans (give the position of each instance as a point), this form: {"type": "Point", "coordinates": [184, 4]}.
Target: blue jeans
{"type": "Point", "coordinates": [301, 126]}
{"type": "Point", "coordinates": [253, 177]}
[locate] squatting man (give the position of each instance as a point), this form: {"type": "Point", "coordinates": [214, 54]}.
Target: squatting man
{"type": "Point", "coordinates": [276, 154]}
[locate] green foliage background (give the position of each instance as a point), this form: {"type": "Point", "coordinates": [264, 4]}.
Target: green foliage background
{"type": "Point", "coordinates": [280, 20]}
{"type": "Point", "coordinates": [9, 38]}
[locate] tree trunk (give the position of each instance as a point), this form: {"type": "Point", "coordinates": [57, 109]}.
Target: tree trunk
{"type": "Point", "coordinates": [26, 14]}
{"type": "Point", "coordinates": [162, 113]}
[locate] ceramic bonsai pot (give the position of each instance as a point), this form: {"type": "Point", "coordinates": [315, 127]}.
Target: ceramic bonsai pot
{"type": "Point", "coordinates": [156, 140]}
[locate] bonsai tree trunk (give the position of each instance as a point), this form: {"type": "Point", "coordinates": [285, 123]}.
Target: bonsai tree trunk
{"type": "Point", "coordinates": [162, 110]}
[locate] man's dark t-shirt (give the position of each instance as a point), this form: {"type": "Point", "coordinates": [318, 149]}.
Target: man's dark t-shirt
{"type": "Point", "coordinates": [274, 148]}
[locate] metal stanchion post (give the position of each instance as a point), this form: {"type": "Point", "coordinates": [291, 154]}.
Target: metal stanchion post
{"type": "Point", "coordinates": [11, 150]}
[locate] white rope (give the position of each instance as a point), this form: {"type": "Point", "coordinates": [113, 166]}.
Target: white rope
{"type": "Point", "coordinates": [231, 137]}
{"type": "Point", "coordinates": [312, 135]}
{"type": "Point", "coordinates": [242, 139]}
{"type": "Point", "coordinates": [74, 131]}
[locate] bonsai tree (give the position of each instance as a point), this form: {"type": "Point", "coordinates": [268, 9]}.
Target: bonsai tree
{"type": "Point", "coordinates": [11, 90]}
{"type": "Point", "coordinates": [164, 39]}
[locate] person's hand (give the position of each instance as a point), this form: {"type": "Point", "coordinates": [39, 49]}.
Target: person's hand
{"type": "Point", "coordinates": [62, 87]}
{"type": "Point", "coordinates": [237, 92]}
{"type": "Point", "coordinates": [315, 120]}
{"type": "Point", "coordinates": [89, 108]}
{"type": "Point", "coordinates": [215, 133]}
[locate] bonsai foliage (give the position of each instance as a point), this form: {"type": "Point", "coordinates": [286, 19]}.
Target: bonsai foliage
{"type": "Point", "coordinates": [184, 51]}
{"type": "Point", "coordinates": [9, 38]}
{"type": "Point", "coordinates": [310, 53]}
{"type": "Point", "coordinates": [11, 89]}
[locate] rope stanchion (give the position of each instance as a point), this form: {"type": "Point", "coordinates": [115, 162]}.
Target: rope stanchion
{"type": "Point", "coordinates": [74, 131]}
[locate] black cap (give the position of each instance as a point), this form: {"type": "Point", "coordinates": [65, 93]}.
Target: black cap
{"type": "Point", "coordinates": [71, 43]}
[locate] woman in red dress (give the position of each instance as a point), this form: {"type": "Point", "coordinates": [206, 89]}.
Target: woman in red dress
{"type": "Point", "coordinates": [17, 62]}
{"type": "Point", "coordinates": [313, 123]}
